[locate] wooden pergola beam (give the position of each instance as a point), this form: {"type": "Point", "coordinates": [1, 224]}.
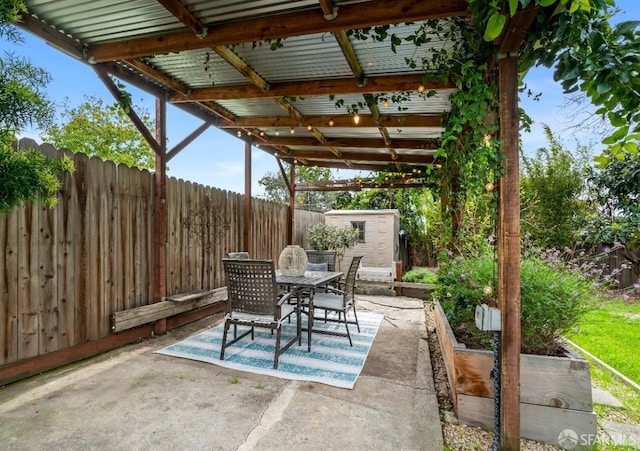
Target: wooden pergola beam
{"type": "Point", "coordinates": [340, 164]}
{"type": "Point", "coordinates": [155, 74]}
{"type": "Point", "coordinates": [350, 55]}
{"type": "Point", "coordinates": [300, 23]}
{"type": "Point", "coordinates": [360, 184]}
{"type": "Point", "coordinates": [185, 16]}
{"type": "Point", "coordinates": [419, 144]}
{"type": "Point", "coordinates": [362, 156]}
{"type": "Point", "coordinates": [238, 64]}
{"type": "Point", "coordinates": [338, 86]}
{"type": "Point", "coordinates": [385, 120]}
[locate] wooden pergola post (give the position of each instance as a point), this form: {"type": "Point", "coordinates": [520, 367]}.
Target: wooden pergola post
{"type": "Point", "coordinates": [292, 203]}
{"type": "Point", "coordinates": [247, 198]}
{"type": "Point", "coordinates": [160, 212]}
{"type": "Point", "coordinates": [509, 255]}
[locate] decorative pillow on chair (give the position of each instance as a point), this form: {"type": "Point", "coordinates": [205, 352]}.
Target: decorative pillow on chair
{"type": "Point", "coordinates": [317, 266]}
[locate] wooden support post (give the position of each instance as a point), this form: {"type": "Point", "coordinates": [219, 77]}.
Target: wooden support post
{"type": "Point", "coordinates": [292, 204]}
{"type": "Point", "coordinates": [509, 256]}
{"type": "Point", "coordinates": [247, 199]}
{"type": "Point", "coordinates": [160, 212]}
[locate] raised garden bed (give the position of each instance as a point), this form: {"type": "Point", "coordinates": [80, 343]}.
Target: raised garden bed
{"type": "Point", "coordinates": [555, 392]}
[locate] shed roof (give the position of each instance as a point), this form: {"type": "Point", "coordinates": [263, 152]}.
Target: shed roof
{"type": "Point", "coordinates": [392, 212]}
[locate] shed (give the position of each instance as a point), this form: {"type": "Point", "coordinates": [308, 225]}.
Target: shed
{"type": "Point", "coordinates": [379, 241]}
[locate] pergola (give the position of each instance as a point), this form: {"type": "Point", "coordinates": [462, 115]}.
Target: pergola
{"type": "Point", "coordinates": [265, 70]}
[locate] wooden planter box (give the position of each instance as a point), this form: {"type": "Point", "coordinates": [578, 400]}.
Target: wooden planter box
{"type": "Point", "coordinates": [555, 392]}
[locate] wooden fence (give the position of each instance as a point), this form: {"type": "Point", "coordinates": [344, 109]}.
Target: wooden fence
{"type": "Point", "coordinates": [67, 269]}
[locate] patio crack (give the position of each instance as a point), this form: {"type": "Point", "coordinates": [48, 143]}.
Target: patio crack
{"type": "Point", "coordinates": [271, 415]}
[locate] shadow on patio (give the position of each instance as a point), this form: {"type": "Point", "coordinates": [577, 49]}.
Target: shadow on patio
{"type": "Point", "coordinates": [131, 398]}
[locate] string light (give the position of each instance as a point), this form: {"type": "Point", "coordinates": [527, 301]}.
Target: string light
{"type": "Point", "coordinates": [292, 131]}
{"type": "Point", "coordinates": [309, 127]}
{"type": "Point", "coordinates": [490, 186]}
{"type": "Point", "coordinates": [261, 133]}
{"type": "Point", "coordinates": [239, 134]}
{"type": "Point", "coordinates": [356, 119]}
{"type": "Point", "coordinates": [421, 88]}
{"type": "Point", "coordinates": [249, 133]}
{"type": "Point", "coordinates": [331, 122]}
{"type": "Point", "coordinates": [277, 132]}
{"type": "Point", "coordinates": [385, 103]}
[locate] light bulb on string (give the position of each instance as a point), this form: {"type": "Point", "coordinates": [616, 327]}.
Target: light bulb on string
{"type": "Point", "coordinates": [309, 127]}
{"type": "Point", "coordinates": [490, 186]}
{"type": "Point", "coordinates": [292, 131]}
{"type": "Point", "coordinates": [261, 133]}
{"type": "Point", "coordinates": [385, 103]}
{"type": "Point", "coordinates": [239, 133]}
{"type": "Point", "coordinates": [356, 119]}
{"type": "Point", "coordinates": [421, 88]}
{"type": "Point", "coordinates": [331, 122]}
{"type": "Point", "coordinates": [277, 132]}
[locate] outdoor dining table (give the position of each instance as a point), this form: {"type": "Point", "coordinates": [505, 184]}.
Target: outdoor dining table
{"type": "Point", "coordinates": [310, 281]}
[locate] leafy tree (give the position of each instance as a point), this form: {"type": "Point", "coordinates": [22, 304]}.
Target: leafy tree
{"type": "Point", "coordinates": [552, 184]}
{"type": "Point", "coordinates": [276, 188]}
{"type": "Point", "coordinates": [25, 176]}
{"type": "Point", "coordinates": [105, 131]}
{"type": "Point", "coordinates": [616, 191]}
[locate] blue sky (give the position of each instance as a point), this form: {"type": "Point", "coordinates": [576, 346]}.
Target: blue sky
{"type": "Point", "coordinates": [217, 159]}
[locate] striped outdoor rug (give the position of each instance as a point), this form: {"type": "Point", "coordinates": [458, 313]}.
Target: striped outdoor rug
{"type": "Point", "coordinates": [331, 360]}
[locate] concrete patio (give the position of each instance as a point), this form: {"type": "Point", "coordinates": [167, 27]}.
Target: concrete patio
{"type": "Point", "coordinates": [132, 398]}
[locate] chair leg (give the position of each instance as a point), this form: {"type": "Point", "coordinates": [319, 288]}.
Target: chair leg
{"type": "Point", "coordinates": [275, 358]}
{"type": "Point", "coordinates": [346, 325]}
{"type": "Point", "coordinates": [310, 315]}
{"type": "Point", "coordinates": [299, 326]}
{"type": "Point", "coordinates": [356, 317]}
{"type": "Point", "coordinates": [224, 339]}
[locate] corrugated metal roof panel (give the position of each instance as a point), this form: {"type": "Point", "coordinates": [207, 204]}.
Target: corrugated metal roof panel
{"type": "Point", "coordinates": [198, 68]}
{"type": "Point", "coordinates": [224, 10]}
{"type": "Point", "coordinates": [310, 57]}
{"type": "Point", "coordinates": [106, 20]}
{"type": "Point", "coordinates": [323, 105]}
{"type": "Point", "coordinates": [414, 132]}
{"type": "Point", "coordinates": [253, 107]}
{"type": "Point", "coordinates": [377, 58]}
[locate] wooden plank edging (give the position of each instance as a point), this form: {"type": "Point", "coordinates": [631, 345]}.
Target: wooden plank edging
{"type": "Point", "coordinates": [126, 319]}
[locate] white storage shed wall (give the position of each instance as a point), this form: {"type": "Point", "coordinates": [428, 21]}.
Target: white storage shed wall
{"type": "Point", "coordinates": [381, 235]}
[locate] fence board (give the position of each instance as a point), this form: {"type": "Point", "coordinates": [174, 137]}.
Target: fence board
{"type": "Point", "coordinates": [66, 270]}
{"type": "Point", "coordinates": [9, 293]}
{"type": "Point", "coordinates": [67, 261]}
{"type": "Point", "coordinates": [28, 299]}
{"type": "Point", "coordinates": [48, 218]}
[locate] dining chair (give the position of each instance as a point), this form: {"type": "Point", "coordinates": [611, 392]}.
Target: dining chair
{"type": "Point", "coordinates": [238, 255]}
{"type": "Point", "coordinates": [253, 301]}
{"type": "Point", "coordinates": [328, 257]}
{"type": "Point", "coordinates": [338, 300]}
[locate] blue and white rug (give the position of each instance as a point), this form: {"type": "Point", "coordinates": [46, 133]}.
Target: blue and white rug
{"type": "Point", "coordinates": [331, 360]}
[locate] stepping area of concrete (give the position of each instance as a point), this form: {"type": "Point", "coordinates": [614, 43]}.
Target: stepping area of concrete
{"type": "Point", "coordinates": [131, 398]}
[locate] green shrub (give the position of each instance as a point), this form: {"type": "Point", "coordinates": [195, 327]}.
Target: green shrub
{"type": "Point", "coordinates": [324, 237]}
{"type": "Point", "coordinates": [420, 276]}
{"type": "Point", "coordinates": [552, 298]}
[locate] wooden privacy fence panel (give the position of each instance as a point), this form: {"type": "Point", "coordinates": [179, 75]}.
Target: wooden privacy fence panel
{"type": "Point", "coordinates": [65, 271]}
{"type": "Point", "coordinates": [303, 220]}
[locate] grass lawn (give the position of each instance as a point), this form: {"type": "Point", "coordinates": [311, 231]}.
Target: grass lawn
{"type": "Point", "coordinates": [611, 332]}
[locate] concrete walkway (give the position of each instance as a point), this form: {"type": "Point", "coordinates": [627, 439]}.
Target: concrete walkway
{"type": "Point", "coordinates": [132, 399]}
